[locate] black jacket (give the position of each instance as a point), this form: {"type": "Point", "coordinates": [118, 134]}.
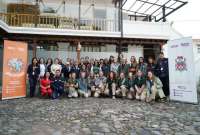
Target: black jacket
{"type": "Point", "coordinates": [162, 68]}
{"type": "Point", "coordinates": [33, 73]}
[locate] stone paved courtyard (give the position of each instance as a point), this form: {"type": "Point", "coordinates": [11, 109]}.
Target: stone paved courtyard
{"type": "Point", "coordinates": [97, 117]}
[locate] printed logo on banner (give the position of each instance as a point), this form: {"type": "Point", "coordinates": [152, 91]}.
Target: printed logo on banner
{"type": "Point", "coordinates": [180, 64]}
{"type": "Point", "coordinates": [15, 65]}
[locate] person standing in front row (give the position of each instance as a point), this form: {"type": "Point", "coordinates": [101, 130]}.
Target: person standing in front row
{"type": "Point", "coordinates": [33, 75]}
{"type": "Point", "coordinates": [133, 66]}
{"type": "Point", "coordinates": [76, 69]}
{"type": "Point", "coordinates": [142, 66]}
{"type": "Point", "coordinates": [42, 67]}
{"type": "Point", "coordinates": [124, 67]}
{"type": "Point", "coordinates": [67, 71]}
{"type": "Point", "coordinates": [151, 65]}
{"type": "Point", "coordinates": [162, 72]}
{"type": "Point", "coordinates": [48, 65]}
{"type": "Point", "coordinates": [57, 84]}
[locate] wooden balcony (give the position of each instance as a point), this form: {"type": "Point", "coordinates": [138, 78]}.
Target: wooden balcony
{"type": "Point", "coordinates": [57, 22]}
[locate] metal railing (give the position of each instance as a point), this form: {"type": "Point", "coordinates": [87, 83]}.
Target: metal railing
{"type": "Point", "coordinates": [57, 22]}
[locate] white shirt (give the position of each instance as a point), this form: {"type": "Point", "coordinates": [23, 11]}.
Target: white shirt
{"type": "Point", "coordinates": [42, 70]}
{"type": "Point", "coordinates": [55, 67]}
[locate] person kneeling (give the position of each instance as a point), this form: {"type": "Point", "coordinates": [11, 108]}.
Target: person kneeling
{"type": "Point", "coordinates": [91, 83]}
{"type": "Point", "coordinates": [122, 86]}
{"type": "Point", "coordinates": [100, 85]}
{"type": "Point", "coordinates": [83, 86]}
{"type": "Point", "coordinates": [45, 85]}
{"type": "Point", "coordinates": [72, 84]}
{"type": "Point", "coordinates": [131, 91]}
{"type": "Point", "coordinates": [154, 88]}
{"type": "Point", "coordinates": [139, 84]}
{"type": "Point", "coordinates": [57, 85]}
{"type": "Point", "coordinates": [111, 84]}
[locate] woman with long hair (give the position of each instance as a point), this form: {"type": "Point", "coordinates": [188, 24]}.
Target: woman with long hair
{"type": "Point", "coordinates": [133, 65]}
{"type": "Point", "coordinates": [48, 64]}
{"type": "Point", "coordinates": [154, 88]}
{"type": "Point", "coordinates": [33, 73]}
{"type": "Point", "coordinates": [142, 66]}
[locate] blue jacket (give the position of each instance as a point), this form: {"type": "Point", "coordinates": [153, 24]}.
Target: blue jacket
{"type": "Point", "coordinates": [83, 84]}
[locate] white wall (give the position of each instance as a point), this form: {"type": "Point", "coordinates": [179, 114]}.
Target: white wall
{"type": "Point", "coordinates": [134, 50]}
{"type": "Point", "coordinates": [149, 30]}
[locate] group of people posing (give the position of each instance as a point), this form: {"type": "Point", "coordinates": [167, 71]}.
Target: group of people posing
{"type": "Point", "coordinates": [101, 78]}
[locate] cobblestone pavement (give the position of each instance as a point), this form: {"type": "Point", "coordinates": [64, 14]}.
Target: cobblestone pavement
{"type": "Point", "coordinates": [93, 116]}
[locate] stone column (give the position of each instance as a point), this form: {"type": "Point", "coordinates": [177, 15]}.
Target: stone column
{"type": "Point", "coordinates": [78, 50]}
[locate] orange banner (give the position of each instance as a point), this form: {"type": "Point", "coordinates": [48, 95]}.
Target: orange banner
{"type": "Point", "coordinates": [14, 69]}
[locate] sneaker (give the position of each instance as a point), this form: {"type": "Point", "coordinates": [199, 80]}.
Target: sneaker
{"type": "Point", "coordinates": [163, 100]}
{"type": "Point", "coordinates": [113, 97]}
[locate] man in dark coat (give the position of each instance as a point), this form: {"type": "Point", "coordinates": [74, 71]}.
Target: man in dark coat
{"type": "Point", "coordinates": [57, 85]}
{"type": "Point", "coordinates": [67, 70]}
{"type": "Point", "coordinates": [162, 72]}
{"type": "Point", "coordinates": [76, 69]}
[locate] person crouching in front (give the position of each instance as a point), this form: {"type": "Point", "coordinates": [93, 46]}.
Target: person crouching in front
{"type": "Point", "coordinates": [111, 84]}
{"type": "Point", "coordinates": [154, 88]}
{"type": "Point", "coordinates": [122, 86]}
{"type": "Point", "coordinates": [91, 83]}
{"type": "Point", "coordinates": [72, 85]}
{"type": "Point", "coordinates": [131, 89]}
{"type": "Point", "coordinates": [83, 90]}
{"type": "Point", "coordinates": [140, 82]}
{"type": "Point", "coordinates": [45, 85]}
{"type": "Point", "coordinates": [100, 85]}
{"type": "Point", "coordinates": [57, 85]}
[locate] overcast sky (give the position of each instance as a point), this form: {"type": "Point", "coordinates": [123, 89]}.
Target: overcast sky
{"type": "Point", "coordinates": [187, 19]}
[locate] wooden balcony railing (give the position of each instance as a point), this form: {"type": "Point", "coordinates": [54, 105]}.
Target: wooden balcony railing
{"type": "Point", "coordinates": [57, 22]}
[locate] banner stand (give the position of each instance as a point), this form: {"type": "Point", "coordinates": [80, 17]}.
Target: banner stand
{"type": "Point", "coordinates": [182, 82]}
{"type": "Point", "coordinates": [15, 57]}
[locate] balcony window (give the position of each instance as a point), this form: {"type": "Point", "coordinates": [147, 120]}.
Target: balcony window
{"type": "Point", "coordinates": [124, 48]}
